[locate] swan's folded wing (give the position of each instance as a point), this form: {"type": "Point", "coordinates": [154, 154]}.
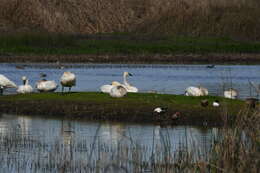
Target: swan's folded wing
{"type": "Point", "coordinates": [106, 88]}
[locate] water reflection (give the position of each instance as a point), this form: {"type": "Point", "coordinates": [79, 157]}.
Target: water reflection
{"type": "Point", "coordinates": [161, 78]}
{"type": "Point", "coordinates": [35, 144]}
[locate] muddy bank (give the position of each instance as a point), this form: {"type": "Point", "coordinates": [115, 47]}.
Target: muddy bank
{"type": "Point", "coordinates": [149, 58]}
{"type": "Point", "coordinates": [133, 108]}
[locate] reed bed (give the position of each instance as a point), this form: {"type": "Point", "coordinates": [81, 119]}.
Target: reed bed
{"type": "Point", "coordinates": [236, 18]}
{"type": "Point", "coordinates": [233, 149]}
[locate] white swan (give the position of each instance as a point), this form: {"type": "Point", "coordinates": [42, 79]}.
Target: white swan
{"type": "Point", "coordinates": [46, 85]}
{"type": "Point", "coordinates": [5, 83]}
{"type": "Point", "coordinates": [204, 91]}
{"type": "Point", "coordinates": [231, 93]}
{"type": "Point", "coordinates": [118, 91]}
{"type": "Point", "coordinates": [216, 103]}
{"type": "Point", "coordinates": [196, 91]}
{"type": "Point", "coordinates": [107, 88]}
{"type": "Point", "coordinates": [129, 88]}
{"type": "Point", "coordinates": [25, 88]}
{"type": "Point", "coordinates": [68, 79]}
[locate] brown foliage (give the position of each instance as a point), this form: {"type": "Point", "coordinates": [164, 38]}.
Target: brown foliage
{"type": "Point", "coordinates": [235, 18]}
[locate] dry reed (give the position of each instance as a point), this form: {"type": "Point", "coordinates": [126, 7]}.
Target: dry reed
{"type": "Point", "coordinates": [234, 18]}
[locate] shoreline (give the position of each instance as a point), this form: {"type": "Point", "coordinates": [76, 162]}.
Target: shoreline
{"type": "Point", "coordinates": [136, 108]}
{"type": "Point", "coordinates": [218, 58]}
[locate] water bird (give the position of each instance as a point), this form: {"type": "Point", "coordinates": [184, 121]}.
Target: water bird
{"type": "Point", "coordinates": [107, 88]}
{"type": "Point", "coordinates": [118, 91]}
{"type": "Point", "coordinates": [160, 110]}
{"type": "Point", "coordinates": [251, 102]}
{"type": "Point", "coordinates": [231, 93]}
{"type": "Point", "coordinates": [43, 75]}
{"type": "Point", "coordinates": [210, 66]}
{"type": "Point", "coordinates": [196, 91]}
{"type": "Point", "coordinates": [25, 88]}
{"type": "Point", "coordinates": [21, 67]}
{"type": "Point", "coordinates": [127, 85]}
{"type": "Point", "coordinates": [68, 79]}
{"type": "Point", "coordinates": [59, 65]}
{"type": "Point", "coordinates": [216, 103]}
{"type": "Point", "coordinates": [204, 102]}
{"type": "Point", "coordinates": [5, 83]}
{"type": "Point", "coordinates": [176, 115]}
{"type": "Point", "coordinates": [46, 85]}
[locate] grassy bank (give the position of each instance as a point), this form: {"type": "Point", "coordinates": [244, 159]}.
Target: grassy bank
{"type": "Point", "coordinates": [125, 48]}
{"type": "Point", "coordinates": [133, 108]}
{"type": "Point", "coordinates": [52, 44]}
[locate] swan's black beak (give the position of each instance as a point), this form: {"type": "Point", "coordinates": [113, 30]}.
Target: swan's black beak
{"type": "Point", "coordinates": [130, 74]}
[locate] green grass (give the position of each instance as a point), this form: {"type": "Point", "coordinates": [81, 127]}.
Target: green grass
{"type": "Point", "coordinates": [135, 107]}
{"type": "Point", "coordinates": [97, 96]}
{"type": "Point", "coordinates": [50, 44]}
{"type": "Point", "coordinates": [153, 100]}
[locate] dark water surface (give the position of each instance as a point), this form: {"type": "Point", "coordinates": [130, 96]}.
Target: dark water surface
{"type": "Point", "coordinates": [171, 79]}
{"type": "Point", "coordinates": [35, 144]}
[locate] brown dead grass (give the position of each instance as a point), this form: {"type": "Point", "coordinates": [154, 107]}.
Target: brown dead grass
{"type": "Point", "coordinates": [235, 18]}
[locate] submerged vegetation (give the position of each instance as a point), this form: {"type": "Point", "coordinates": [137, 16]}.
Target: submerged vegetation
{"type": "Point", "coordinates": [134, 107]}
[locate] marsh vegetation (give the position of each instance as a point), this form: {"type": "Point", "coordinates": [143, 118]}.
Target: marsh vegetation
{"type": "Point", "coordinates": [227, 149]}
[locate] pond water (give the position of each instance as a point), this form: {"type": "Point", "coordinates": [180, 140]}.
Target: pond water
{"type": "Point", "coordinates": [171, 79]}
{"type": "Point", "coordinates": [36, 144]}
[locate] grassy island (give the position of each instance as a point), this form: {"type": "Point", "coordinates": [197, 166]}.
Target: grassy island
{"type": "Point", "coordinates": [135, 107]}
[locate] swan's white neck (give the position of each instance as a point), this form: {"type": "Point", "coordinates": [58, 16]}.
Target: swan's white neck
{"type": "Point", "coordinates": [125, 80]}
{"type": "Point", "coordinates": [26, 82]}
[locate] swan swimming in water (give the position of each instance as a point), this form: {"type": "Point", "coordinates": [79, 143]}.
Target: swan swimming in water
{"type": "Point", "coordinates": [25, 88]}
{"type": "Point", "coordinates": [118, 91]}
{"type": "Point", "coordinates": [128, 87]}
{"type": "Point", "coordinates": [231, 93]}
{"type": "Point", "coordinates": [46, 85]}
{"type": "Point", "coordinates": [196, 91]}
{"type": "Point", "coordinates": [68, 79]}
{"type": "Point", "coordinates": [5, 83]}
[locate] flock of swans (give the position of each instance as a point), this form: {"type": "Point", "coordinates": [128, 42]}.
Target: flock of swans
{"type": "Point", "coordinates": [115, 89]}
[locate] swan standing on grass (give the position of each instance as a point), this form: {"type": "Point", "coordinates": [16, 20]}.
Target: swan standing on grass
{"type": "Point", "coordinates": [5, 83]}
{"type": "Point", "coordinates": [46, 85]}
{"type": "Point", "coordinates": [25, 88]}
{"type": "Point", "coordinates": [231, 93]}
{"type": "Point", "coordinates": [196, 91]}
{"type": "Point", "coordinates": [107, 88]}
{"type": "Point", "coordinates": [128, 87]}
{"type": "Point", "coordinates": [118, 91]}
{"type": "Point", "coordinates": [68, 79]}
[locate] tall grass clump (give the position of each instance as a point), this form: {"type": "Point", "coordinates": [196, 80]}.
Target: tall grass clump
{"type": "Point", "coordinates": [234, 18]}
{"type": "Point", "coordinates": [238, 149]}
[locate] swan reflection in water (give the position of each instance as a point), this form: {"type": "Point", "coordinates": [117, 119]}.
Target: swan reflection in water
{"type": "Point", "coordinates": [67, 137]}
{"type": "Point", "coordinates": [113, 134]}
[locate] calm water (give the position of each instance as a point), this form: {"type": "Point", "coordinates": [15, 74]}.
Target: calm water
{"type": "Point", "coordinates": [161, 78]}
{"type": "Point", "coordinates": [34, 144]}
